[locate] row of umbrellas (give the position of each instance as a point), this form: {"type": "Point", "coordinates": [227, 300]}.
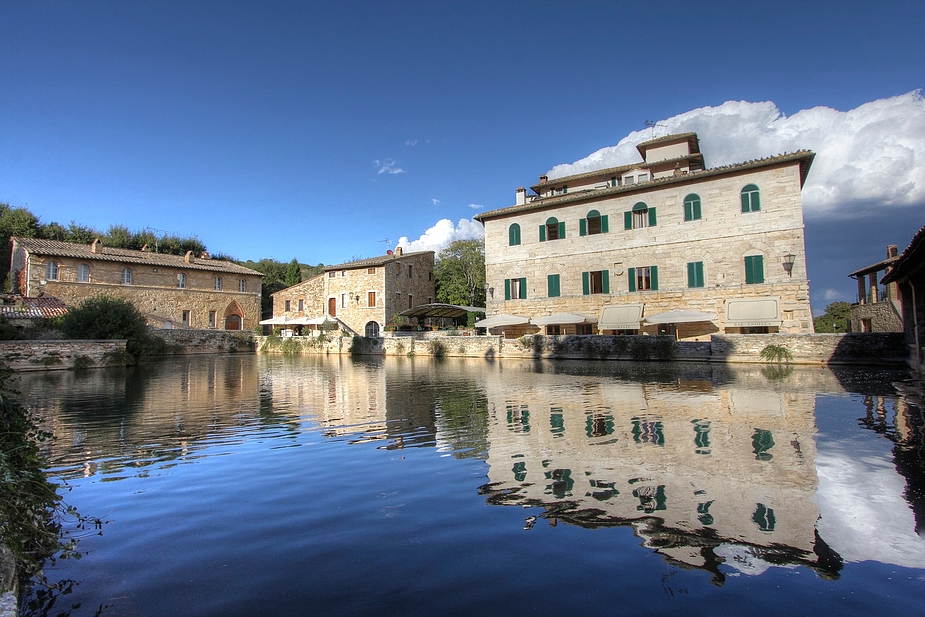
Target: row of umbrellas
{"type": "Point", "coordinates": [297, 321]}
{"type": "Point", "coordinates": [497, 321]}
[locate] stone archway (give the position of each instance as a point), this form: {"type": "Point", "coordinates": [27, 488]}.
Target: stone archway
{"type": "Point", "coordinates": [372, 329]}
{"type": "Point", "coordinates": [234, 316]}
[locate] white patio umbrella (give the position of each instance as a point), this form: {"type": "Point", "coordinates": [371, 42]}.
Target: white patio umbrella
{"type": "Point", "coordinates": [680, 317]}
{"type": "Point", "coordinates": [559, 319]}
{"type": "Point", "coordinates": [497, 321]}
{"type": "Point", "coordinates": [277, 321]}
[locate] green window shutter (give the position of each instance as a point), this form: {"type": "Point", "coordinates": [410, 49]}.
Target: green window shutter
{"type": "Point", "coordinates": [564, 190]}
{"type": "Point", "coordinates": [523, 289]}
{"type": "Point", "coordinates": [604, 225]}
{"type": "Point", "coordinates": [691, 274]}
{"type": "Point", "coordinates": [605, 281]}
{"type": "Point", "coordinates": [749, 271]}
{"type": "Point", "coordinates": [552, 284]}
{"type": "Point", "coordinates": [745, 205]}
{"type": "Point", "coordinates": [542, 233]}
{"type": "Point", "coordinates": [652, 221]}
{"type": "Point", "coordinates": [697, 210]}
{"type": "Point", "coordinates": [631, 276]}
{"type": "Point", "coordinates": [562, 230]}
{"type": "Point", "coordinates": [756, 201]}
{"type": "Point", "coordinates": [582, 227]}
{"type": "Point", "coordinates": [507, 289]}
{"type": "Point", "coordinates": [585, 284]}
{"type": "Point", "coordinates": [628, 219]}
{"type": "Point", "coordinates": [688, 211]}
{"type": "Point", "coordinates": [653, 271]}
{"type": "Point", "coordinates": [758, 262]}
{"type": "Point", "coordinates": [699, 273]}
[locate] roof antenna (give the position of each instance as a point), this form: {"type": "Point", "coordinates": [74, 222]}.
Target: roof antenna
{"type": "Point", "coordinates": [652, 124]}
{"type": "Point", "coordinates": [388, 244]}
{"type": "Point", "coordinates": [163, 233]}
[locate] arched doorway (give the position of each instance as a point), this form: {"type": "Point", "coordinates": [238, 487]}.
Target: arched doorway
{"type": "Point", "coordinates": [372, 329]}
{"type": "Point", "coordinates": [234, 317]}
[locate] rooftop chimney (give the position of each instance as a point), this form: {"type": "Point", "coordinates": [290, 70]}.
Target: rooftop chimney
{"type": "Point", "coordinates": [205, 255]}
{"type": "Point", "coordinates": [521, 196]}
{"type": "Point", "coordinates": [96, 246]}
{"type": "Point", "coordinates": [188, 258]}
{"type": "Point", "coordinates": [543, 179]}
{"type": "Point", "coordinates": [398, 251]}
{"type": "Point", "coordinates": [892, 250]}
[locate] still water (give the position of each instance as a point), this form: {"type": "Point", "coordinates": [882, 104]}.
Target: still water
{"type": "Point", "coordinates": [270, 485]}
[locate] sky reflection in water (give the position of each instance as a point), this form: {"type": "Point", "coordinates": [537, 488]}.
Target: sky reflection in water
{"type": "Point", "coordinates": [252, 485]}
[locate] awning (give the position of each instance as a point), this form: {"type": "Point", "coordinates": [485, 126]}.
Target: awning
{"type": "Point", "coordinates": [314, 321]}
{"type": "Point", "coordinates": [622, 317]}
{"type": "Point", "coordinates": [562, 318]}
{"type": "Point", "coordinates": [497, 321]}
{"type": "Point", "coordinates": [278, 321]}
{"type": "Point", "coordinates": [440, 310]}
{"type": "Point", "coordinates": [680, 317]}
{"type": "Point", "coordinates": [753, 312]}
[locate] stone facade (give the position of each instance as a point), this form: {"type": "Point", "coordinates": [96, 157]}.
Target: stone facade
{"type": "Point", "coordinates": [908, 274]}
{"type": "Point", "coordinates": [705, 254]}
{"type": "Point", "coordinates": [364, 295]}
{"type": "Point", "coordinates": [878, 309]}
{"type": "Point", "coordinates": [170, 290]}
{"type": "Point", "coordinates": [207, 341]}
{"type": "Point", "coordinates": [54, 355]}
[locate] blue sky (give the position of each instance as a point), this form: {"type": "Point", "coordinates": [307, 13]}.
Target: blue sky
{"type": "Point", "coordinates": [317, 130]}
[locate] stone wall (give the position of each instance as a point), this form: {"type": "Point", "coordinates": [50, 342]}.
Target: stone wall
{"type": "Point", "coordinates": [53, 355]}
{"type": "Point", "coordinates": [871, 348]}
{"type": "Point", "coordinates": [208, 341]}
{"type": "Point", "coordinates": [884, 317]}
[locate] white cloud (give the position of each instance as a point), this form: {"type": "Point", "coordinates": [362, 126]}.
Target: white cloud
{"type": "Point", "coordinates": [476, 206]}
{"type": "Point", "coordinates": [869, 157]}
{"type": "Point", "coordinates": [387, 166]}
{"type": "Point", "coordinates": [435, 201]}
{"type": "Point", "coordinates": [411, 142]}
{"type": "Point", "coordinates": [442, 234]}
{"type": "Point", "coordinates": [830, 295]}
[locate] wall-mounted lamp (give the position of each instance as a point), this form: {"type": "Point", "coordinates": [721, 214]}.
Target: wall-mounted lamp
{"type": "Point", "coordinates": [491, 292]}
{"type": "Point", "coordinates": [789, 259]}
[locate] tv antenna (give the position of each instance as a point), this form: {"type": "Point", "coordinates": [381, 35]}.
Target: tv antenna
{"type": "Point", "coordinates": [163, 233]}
{"type": "Point", "coordinates": [652, 124]}
{"type": "Point", "coordinates": [388, 244]}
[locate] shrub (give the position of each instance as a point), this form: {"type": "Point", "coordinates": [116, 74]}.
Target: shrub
{"type": "Point", "coordinates": [82, 362]}
{"type": "Point", "coordinates": [776, 353]}
{"type": "Point", "coordinates": [437, 348]}
{"type": "Point", "coordinates": [107, 317]}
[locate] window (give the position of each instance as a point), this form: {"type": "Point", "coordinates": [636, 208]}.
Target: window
{"type": "Point", "coordinates": [629, 180]}
{"type": "Point", "coordinates": [287, 305]}
{"type": "Point", "coordinates": [218, 283]}
{"type": "Point", "coordinates": [371, 271]}
{"type": "Point", "coordinates": [181, 280]}
{"type": "Point", "coordinates": [614, 181]}
{"type": "Point", "coordinates": [552, 286]}
{"type": "Point", "coordinates": [371, 299]}
{"type": "Point", "coordinates": [583, 328]}
{"type": "Point", "coordinates": [186, 318]}
{"type": "Point", "coordinates": [754, 269]}
{"type": "Point", "coordinates": [51, 271]}
{"type": "Point", "coordinates": [513, 235]}
{"type": "Point", "coordinates": [593, 224]}
{"type": "Point", "coordinates": [372, 329]}
{"type": "Point", "coordinates": [692, 207]}
{"type": "Point", "coordinates": [640, 216]}
{"type": "Point", "coordinates": [750, 198]}
{"type": "Point", "coordinates": [332, 274]}
{"type": "Point", "coordinates": [553, 330]}
{"type": "Point", "coordinates": [343, 273]}
{"type": "Point", "coordinates": [552, 230]}
{"type": "Point", "coordinates": [410, 301]}
{"type": "Point", "coordinates": [126, 276]}
{"type": "Point", "coordinates": [343, 300]}
{"type": "Point", "coordinates": [83, 273]}
{"type": "Point", "coordinates": [597, 282]}
{"type": "Point", "coordinates": [301, 304]}
{"type": "Point", "coordinates": [695, 274]}
{"type": "Point", "coordinates": [515, 289]}
{"type": "Point", "coordinates": [211, 319]}
{"type": "Point", "coordinates": [242, 285]}
{"type": "Point", "coordinates": [410, 271]}
{"type": "Point", "coordinates": [642, 279]}
{"type": "Point", "coordinates": [642, 178]}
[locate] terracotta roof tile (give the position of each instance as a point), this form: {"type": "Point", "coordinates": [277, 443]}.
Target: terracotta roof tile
{"type": "Point", "coordinates": [373, 261]}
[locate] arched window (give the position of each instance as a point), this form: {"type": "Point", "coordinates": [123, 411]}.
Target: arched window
{"type": "Point", "coordinates": [51, 271]}
{"type": "Point", "coordinates": [218, 283]}
{"type": "Point", "coordinates": [83, 273]}
{"type": "Point", "coordinates": [640, 216]}
{"type": "Point", "coordinates": [372, 329]}
{"type": "Point", "coordinates": [513, 235]}
{"type": "Point", "coordinates": [552, 230]}
{"type": "Point", "coordinates": [750, 198]}
{"type": "Point", "coordinates": [126, 276]}
{"type": "Point", "coordinates": [593, 224]}
{"type": "Point", "coordinates": [181, 280]}
{"type": "Point", "coordinates": [692, 207]}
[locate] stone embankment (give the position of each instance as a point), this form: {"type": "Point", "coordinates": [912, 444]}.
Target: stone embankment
{"type": "Point", "coordinates": [866, 348]}
{"type": "Point", "coordinates": [207, 341]}
{"type": "Point", "coordinates": [54, 355]}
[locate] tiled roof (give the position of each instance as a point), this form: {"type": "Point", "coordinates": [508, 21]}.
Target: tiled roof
{"type": "Point", "coordinates": [803, 157]}
{"type": "Point", "coordinates": [373, 261]}
{"type": "Point", "coordinates": [666, 138]}
{"type": "Point", "coordinates": [877, 267]}
{"type": "Point", "coordinates": [588, 174]}
{"type": "Point", "coordinates": [34, 308]}
{"type": "Point", "coordinates": [55, 248]}
{"type": "Point", "coordinates": [910, 261]}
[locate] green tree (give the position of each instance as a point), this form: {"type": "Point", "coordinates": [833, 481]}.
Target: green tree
{"type": "Point", "coordinates": [835, 318]}
{"type": "Point", "coordinates": [108, 317]}
{"type": "Point", "coordinates": [81, 234]}
{"type": "Point", "coordinates": [118, 237]}
{"type": "Point", "coordinates": [293, 273]}
{"type": "Point", "coordinates": [459, 274]}
{"type": "Point", "coordinates": [13, 222]}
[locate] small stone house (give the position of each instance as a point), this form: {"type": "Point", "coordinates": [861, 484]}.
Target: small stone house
{"type": "Point", "coordinates": [172, 291]}
{"type": "Point", "coordinates": [363, 295]}
{"type": "Point", "coordinates": [877, 309]}
{"type": "Point", "coordinates": [661, 246]}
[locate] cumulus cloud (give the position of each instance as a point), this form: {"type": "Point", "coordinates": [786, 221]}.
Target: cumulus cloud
{"type": "Point", "coordinates": [442, 234]}
{"type": "Point", "coordinates": [435, 201]}
{"type": "Point", "coordinates": [387, 166]}
{"type": "Point", "coordinates": [869, 157]}
{"type": "Point", "coordinates": [476, 206]}
{"type": "Point", "coordinates": [411, 142]}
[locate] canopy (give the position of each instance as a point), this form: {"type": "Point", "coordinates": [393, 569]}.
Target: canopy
{"type": "Point", "coordinates": [496, 321]}
{"type": "Point", "coordinates": [562, 318]}
{"type": "Point", "coordinates": [277, 321]}
{"type": "Point", "coordinates": [620, 317]}
{"type": "Point", "coordinates": [314, 321]}
{"type": "Point", "coordinates": [440, 310]}
{"type": "Point", "coordinates": [754, 312]}
{"type": "Point", "coordinates": [680, 317]}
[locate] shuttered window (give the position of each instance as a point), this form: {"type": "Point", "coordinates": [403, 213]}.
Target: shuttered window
{"type": "Point", "coordinates": [692, 207]}
{"type": "Point", "coordinates": [515, 289]}
{"type": "Point", "coordinates": [751, 201]}
{"type": "Point", "coordinates": [642, 279]}
{"type": "Point", "coordinates": [596, 282]}
{"type": "Point", "coordinates": [640, 216]}
{"type": "Point", "coordinates": [513, 233]}
{"type": "Point", "coordinates": [695, 274]}
{"type": "Point", "coordinates": [593, 224]}
{"type": "Point", "coordinates": [552, 285]}
{"type": "Point", "coordinates": [754, 269]}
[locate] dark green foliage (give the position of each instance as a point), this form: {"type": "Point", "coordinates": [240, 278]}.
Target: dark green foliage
{"type": "Point", "coordinates": [293, 273]}
{"type": "Point", "coordinates": [459, 274]}
{"type": "Point", "coordinates": [776, 353]}
{"type": "Point", "coordinates": [835, 318]}
{"type": "Point", "coordinates": [106, 317]}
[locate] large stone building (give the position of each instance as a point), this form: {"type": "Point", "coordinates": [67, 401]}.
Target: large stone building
{"type": "Point", "coordinates": [364, 295]}
{"type": "Point", "coordinates": [718, 250]}
{"type": "Point", "coordinates": [172, 291]}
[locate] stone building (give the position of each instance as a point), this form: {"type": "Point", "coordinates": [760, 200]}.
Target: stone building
{"type": "Point", "coordinates": [908, 273]}
{"type": "Point", "coordinates": [172, 291]}
{"type": "Point", "coordinates": [877, 309]}
{"type": "Point", "coordinates": [661, 246]}
{"type": "Point", "coordinates": [364, 295]}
